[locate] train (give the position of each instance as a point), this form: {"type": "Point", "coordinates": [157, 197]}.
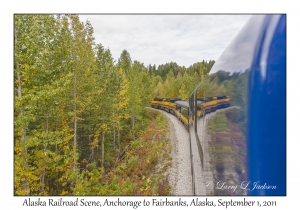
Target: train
{"type": "Point", "coordinates": [182, 110]}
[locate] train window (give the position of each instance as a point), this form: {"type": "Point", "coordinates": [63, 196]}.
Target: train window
{"type": "Point", "coordinates": [185, 112]}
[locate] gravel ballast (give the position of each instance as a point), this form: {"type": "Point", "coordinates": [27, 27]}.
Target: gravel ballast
{"type": "Point", "coordinates": [180, 177]}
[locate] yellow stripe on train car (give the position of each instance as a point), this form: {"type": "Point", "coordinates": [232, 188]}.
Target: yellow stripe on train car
{"type": "Point", "coordinates": [200, 113]}
{"type": "Point", "coordinates": [184, 118]}
{"type": "Point", "coordinates": [166, 103]}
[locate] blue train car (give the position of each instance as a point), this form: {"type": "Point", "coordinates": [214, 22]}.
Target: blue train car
{"type": "Point", "coordinates": [249, 138]}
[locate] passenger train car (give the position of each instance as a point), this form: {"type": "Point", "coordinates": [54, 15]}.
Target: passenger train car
{"type": "Point", "coordinates": [181, 108]}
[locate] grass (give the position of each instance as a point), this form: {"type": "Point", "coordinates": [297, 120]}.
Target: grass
{"type": "Point", "coordinates": [143, 169]}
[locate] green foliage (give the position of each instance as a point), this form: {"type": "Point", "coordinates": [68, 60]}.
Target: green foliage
{"type": "Point", "coordinates": [72, 106]}
{"type": "Point", "coordinates": [138, 172]}
{"type": "Point", "coordinates": [234, 85]}
{"type": "Point", "coordinates": [124, 61]}
{"type": "Point", "coordinates": [171, 80]}
{"type": "Point", "coordinates": [75, 111]}
{"type": "Point", "coordinates": [228, 148]}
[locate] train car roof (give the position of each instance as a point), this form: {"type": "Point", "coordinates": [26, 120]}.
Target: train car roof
{"type": "Point", "coordinates": [174, 99]}
{"type": "Point", "coordinates": [200, 99]}
{"type": "Point", "coordinates": [182, 103]}
{"type": "Point", "coordinates": [158, 99]}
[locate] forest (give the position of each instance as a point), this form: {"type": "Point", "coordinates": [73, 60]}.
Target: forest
{"type": "Point", "coordinates": [77, 110]}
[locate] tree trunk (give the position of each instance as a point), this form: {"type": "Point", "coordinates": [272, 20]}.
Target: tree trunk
{"type": "Point", "coordinates": [25, 184]}
{"type": "Point", "coordinates": [119, 135]}
{"type": "Point", "coordinates": [102, 160]}
{"type": "Point", "coordinates": [21, 111]}
{"type": "Point", "coordinates": [132, 121]}
{"type": "Point", "coordinates": [57, 175]}
{"type": "Point", "coordinates": [42, 179]}
{"type": "Point", "coordinates": [114, 131]}
{"type": "Point", "coordinates": [92, 147]}
{"type": "Point", "coordinates": [114, 141]}
{"type": "Point", "coordinates": [75, 121]}
{"type": "Point", "coordinates": [119, 125]}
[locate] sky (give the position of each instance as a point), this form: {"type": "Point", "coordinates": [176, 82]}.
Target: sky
{"type": "Point", "coordinates": [159, 39]}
